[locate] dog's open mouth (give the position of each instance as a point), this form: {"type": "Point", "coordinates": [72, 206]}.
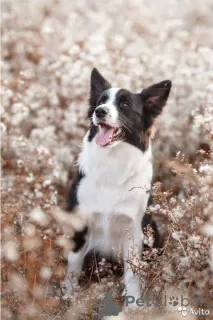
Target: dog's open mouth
{"type": "Point", "coordinates": [106, 134]}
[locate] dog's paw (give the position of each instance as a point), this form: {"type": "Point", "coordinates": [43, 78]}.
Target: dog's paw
{"type": "Point", "coordinates": [131, 299]}
{"type": "Point", "coordinates": [131, 308]}
{"type": "Point", "coordinates": [68, 287]}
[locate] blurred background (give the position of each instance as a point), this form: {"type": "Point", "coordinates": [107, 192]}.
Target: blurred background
{"type": "Point", "coordinates": [48, 51]}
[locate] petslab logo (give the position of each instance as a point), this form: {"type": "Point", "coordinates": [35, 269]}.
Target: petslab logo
{"type": "Point", "coordinates": [183, 306]}
{"type": "Point", "coordinates": [180, 301]}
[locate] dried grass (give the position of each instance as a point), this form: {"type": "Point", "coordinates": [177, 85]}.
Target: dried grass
{"type": "Point", "coordinates": [48, 51]}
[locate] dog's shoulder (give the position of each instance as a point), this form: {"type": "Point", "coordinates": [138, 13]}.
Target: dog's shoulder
{"type": "Point", "coordinates": [72, 200]}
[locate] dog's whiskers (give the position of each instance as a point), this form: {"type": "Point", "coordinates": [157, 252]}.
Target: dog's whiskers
{"type": "Point", "coordinates": [125, 125]}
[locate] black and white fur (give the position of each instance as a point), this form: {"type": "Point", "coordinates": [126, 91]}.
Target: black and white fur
{"type": "Point", "coordinates": [114, 179]}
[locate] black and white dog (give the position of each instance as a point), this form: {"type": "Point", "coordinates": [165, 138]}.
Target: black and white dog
{"type": "Point", "coordinates": [114, 176]}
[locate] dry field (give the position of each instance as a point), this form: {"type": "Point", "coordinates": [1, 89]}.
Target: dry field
{"type": "Point", "coordinates": [48, 51]}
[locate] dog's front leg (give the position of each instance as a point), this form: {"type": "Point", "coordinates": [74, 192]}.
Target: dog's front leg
{"type": "Point", "coordinates": [75, 264]}
{"type": "Point", "coordinates": [132, 255]}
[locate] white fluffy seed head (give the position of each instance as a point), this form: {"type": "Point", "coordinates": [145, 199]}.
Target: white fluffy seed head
{"type": "Point", "coordinates": [10, 251]}
{"type": "Point", "coordinates": [45, 273]}
{"type": "Point", "coordinates": [39, 216]}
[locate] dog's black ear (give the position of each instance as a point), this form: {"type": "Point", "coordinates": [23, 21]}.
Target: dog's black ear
{"type": "Point", "coordinates": [154, 99]}
{"type": "Point", "coordinates": [97, 86]}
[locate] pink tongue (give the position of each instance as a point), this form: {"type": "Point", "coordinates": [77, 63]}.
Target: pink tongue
{"type": "Point", "coordinates": [104, 136]}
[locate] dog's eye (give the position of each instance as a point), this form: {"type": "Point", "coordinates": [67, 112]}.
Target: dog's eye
{"type": "Point", "coordinates": [124, 104]}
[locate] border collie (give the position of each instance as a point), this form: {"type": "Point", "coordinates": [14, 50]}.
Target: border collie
{"type": "Point", "coordinates": [114, 176]}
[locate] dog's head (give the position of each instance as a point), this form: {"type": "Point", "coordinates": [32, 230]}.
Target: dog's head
{"type": "Point", "coordinates": [118, 114]}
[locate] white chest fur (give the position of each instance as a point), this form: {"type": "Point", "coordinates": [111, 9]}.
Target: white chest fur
{"type": "Point", "coordinates": [115, 192]}
{"type": "Point", "coordinates": [117, 179]}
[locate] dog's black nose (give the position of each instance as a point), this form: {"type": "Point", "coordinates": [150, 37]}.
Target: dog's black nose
{"type": "Point", "coordinates": [100, 112]}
